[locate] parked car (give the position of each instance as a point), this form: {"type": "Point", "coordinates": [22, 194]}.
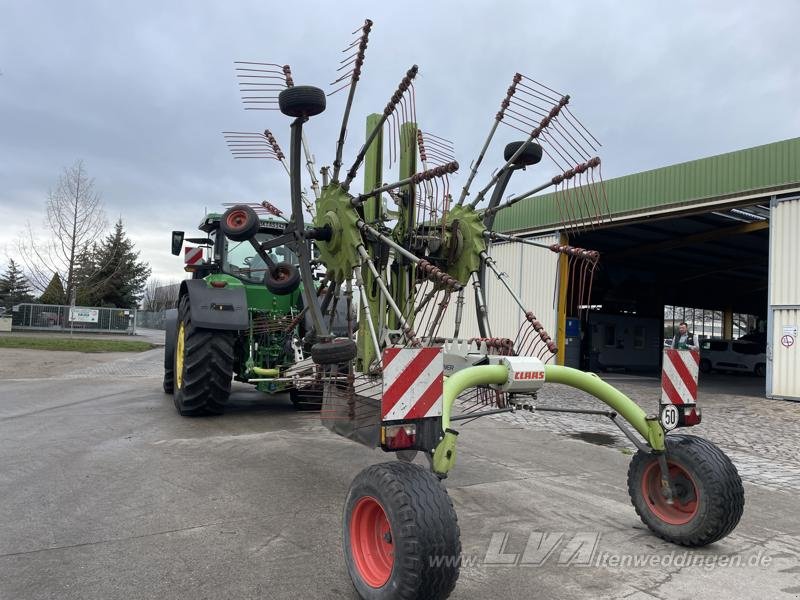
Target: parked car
{"type": "Point", "coordinates": [733, 355]}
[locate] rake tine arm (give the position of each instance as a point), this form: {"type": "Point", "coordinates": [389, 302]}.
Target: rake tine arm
{"type": "Point", "coordinates": [498, 117]}
{"type": "Point", "coordinates": [543, 124]}
{"type": "Point", "coordinates": [566, 175]}
{"type": "Point", "coordinates": [356, 75]}
{"type": "Point", "coordinates": [405, 83]}
{"type": "Point", "coordinates": [415, 179]}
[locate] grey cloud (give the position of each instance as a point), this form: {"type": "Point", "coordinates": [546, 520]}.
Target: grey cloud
{"type": "Point", "coordinates": [142, 91]}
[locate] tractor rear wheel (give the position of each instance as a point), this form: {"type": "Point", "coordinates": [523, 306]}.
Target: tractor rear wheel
{"type": "Point", "coordinates": [203, 366]}
{"type": "Point", "coordinates": [169, 380]}
{"type": "Point", "coordinates": [401, 536]}
{"type": "Point", "coordinates": [709, 495]}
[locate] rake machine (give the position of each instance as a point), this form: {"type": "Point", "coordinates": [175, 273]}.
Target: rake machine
{"type": "Point", "coordinates": [406, 254]}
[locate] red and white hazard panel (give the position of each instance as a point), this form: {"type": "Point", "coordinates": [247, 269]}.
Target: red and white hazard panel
{"type": "Point", "coordinates": [413, 383]}
{"type": "Point", "coordinates": [679, 388]}
{"type": "Point", "coordinates": [192, 256]}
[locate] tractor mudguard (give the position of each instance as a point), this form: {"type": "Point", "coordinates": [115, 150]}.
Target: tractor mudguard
{"type": "Point", "coordinates": [171, 331]}
{"type": "Point", "coordinates": [216, 308]}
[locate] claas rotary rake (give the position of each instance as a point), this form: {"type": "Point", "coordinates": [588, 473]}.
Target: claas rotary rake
{"type": "Point", "coordinates": [403, 257]}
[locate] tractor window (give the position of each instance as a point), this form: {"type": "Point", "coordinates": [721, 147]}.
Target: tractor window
{"type": "Point", "coordinates": [242, 261]}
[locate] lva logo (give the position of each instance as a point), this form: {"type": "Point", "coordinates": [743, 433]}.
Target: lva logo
{"type": "Point", "coordinates": [528, 375]}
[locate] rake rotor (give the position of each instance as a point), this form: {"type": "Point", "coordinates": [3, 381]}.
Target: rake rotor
{"type": "Point", "coordinates": [409, 264]}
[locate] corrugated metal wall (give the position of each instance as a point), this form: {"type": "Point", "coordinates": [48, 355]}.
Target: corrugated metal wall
{"type": "Point", "coordinates": [783, 374]}
{"type": "Point", "coordinates": [677, 186]}
{"type": "Point", "coordinates": [532, 273]}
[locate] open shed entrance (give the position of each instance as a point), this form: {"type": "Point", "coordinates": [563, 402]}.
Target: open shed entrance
{"type": "Point", "coordinates": [708, 268]}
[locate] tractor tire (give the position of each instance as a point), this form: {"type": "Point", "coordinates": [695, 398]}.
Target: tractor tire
{"type": "Point", "coordinates": [307, 398]}
{"type": "Point", "coordinates": [239, 223]}
{"type": "Point", "coordinates": [710, 496]}
{"type": "Point", "coordinates": [302, 101]}
{"type": "Point", "coordinates": [203, 366]}
{"type": "Point", "coordinates": [531, 155]}
{"type": "Point", "coordinates": [170, 329]}
{"type": "Point", "coordinates": [401, 535]}
{"type": "Point", "coordinates": [705, 365]}
{"type": "Point", "coordinates": [337, 352]}
{"type": "Point", "coordinates": [169, 379]}
{"type": "Point", "coordinates": [282, 279]}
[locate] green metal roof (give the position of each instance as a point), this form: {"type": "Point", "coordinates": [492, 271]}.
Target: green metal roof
{"type": "Point", "coordinates": [744, 172]}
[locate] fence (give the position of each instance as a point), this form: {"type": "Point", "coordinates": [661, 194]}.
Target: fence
{"type": "Point", "coordinates": [51, 317]}
{"type": "Point", "coordinates": [151, 319]}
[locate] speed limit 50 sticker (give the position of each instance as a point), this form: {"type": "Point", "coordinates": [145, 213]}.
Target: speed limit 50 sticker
{"type": "Point", "coordinates": [669, 416]}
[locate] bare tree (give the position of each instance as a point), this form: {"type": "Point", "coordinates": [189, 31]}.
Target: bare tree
{"type": "Point", "coordinates": [160, 295]}
{"type": "Point", "coordinates": [75, 220]}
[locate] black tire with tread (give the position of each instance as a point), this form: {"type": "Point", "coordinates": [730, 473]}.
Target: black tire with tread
{"type": "Point", "coordinates": [282, 279]}
{"type": "Point", "coordinates": [720, 491]}
{"type": "Point", "coordinates": [169, 379]}
{"type": "Point", "coordinates": [424, 526]}
{"type": "Point", "coordinates": [207, 367]}
{"type": "Point", "coordinates": [334, 353]}
{"type": "Point", "coordinates": [245, 231]}
{"type": "Point", "coordinates": [302, 101]}
{"type": "Point", "coordinates": [531, 155]}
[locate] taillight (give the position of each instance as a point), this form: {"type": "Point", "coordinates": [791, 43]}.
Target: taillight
{"type": "Point", "coordinates": [398, 437]}
{"type": "Point", "coordinates": [219, 284]}
{"type": "Point", "coordinates": [691, 416]}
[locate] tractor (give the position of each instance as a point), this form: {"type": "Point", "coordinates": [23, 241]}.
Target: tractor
{"type": "Point", "coordinates": [238, 317]}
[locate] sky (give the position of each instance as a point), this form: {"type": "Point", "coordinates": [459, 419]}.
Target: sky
{"type": "Point", "coordinates": [141, 91]}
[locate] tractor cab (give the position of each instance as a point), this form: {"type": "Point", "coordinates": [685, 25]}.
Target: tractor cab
{"type": "Point", "coordinates": [217, 253]}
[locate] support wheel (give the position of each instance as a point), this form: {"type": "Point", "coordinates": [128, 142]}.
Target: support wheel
{"type": "Point", "coordinates": [709, 494]}
{"type": "Point", "coordinates": [203, 366]}
{"type": "Point", "coordinates": [302, 101]}
{"type": "Point", "coordinates": [337, 352]}
{"type": "Point", "coordinates": [401, 535]}
{"type": "Point", "coordinates": [282, 279]}
{"type": "Point", "coordinates": [531, 154]}
{"type": "Point", "coordinates": [239, 223]}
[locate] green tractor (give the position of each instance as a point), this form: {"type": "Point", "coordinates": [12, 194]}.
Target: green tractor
{"type": "Point", "coordinates": [240, 316]}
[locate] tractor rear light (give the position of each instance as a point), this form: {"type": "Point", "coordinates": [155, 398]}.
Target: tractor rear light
{"type": "Point", "coordinates": [219, 284]}
{"type": "Point", "coordinates": [398, 437]}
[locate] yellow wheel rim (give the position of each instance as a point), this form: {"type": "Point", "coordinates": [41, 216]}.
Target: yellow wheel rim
{"type": "Point", "coordinates": [179, 349]}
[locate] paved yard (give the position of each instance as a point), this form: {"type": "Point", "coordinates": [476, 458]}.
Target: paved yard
{"type": "Point", "coordinates": [106, 493]}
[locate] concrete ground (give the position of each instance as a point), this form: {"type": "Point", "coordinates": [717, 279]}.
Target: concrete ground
{"type": "Point", "coordinates": [106, 493]}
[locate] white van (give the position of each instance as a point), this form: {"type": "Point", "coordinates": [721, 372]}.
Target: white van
{"type": "Point", "coordinates": [733, 355]}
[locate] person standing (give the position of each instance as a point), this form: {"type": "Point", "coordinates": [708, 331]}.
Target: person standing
{"type": "Point", "coordinates": [684, 339]}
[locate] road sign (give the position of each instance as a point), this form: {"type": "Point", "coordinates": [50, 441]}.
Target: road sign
{"type": "Point", "coordinates": [669, 417]}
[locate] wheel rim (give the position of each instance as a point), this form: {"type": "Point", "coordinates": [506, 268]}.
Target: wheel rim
{"type": "Point", "coordinates": [371, 542]}
{"type": "Point", "coordinates": [236, 219]}
{"type": "Point", "coordinates": [687, 501]}
{"type": "Point", "coordinates": [179, 349]}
